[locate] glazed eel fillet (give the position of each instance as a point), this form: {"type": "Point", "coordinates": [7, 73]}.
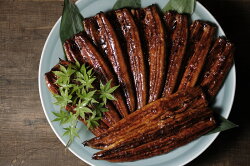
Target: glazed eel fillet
{"type": "Point", "coordinates": [154, 38]}
{"type": "Point", "coordinates": [94, 59]}
{"type": "Point", "coordinates": [201, 36]}
{"type": "Point", "coordinates": [174, 121]}
{"type": "Point", "coordinates": [73, 54]}
{"type": "Point", "coordinates": [138, 125]}
{"type": "Point", "coordinates": [181, 136]}
{"type": "Point", "coordinates": [177, 33]}
{"type": "Point", "coordinates": [51, 78]}
{"type": "Point", "coordinates": [127, 30]}
{"type": "Point", "coordinates": [219, 62]}
{"type": "Point", "coordinates": [103, 35]}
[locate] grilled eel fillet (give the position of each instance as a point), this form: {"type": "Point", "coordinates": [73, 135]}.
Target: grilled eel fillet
{"type": "Point", "coordinates": [155, 46]}
{"type": "Point", "coordinates": [73, 54]}
{"type": "Point", "coordinates": [146, 119]}
{"type": "Point", "coordinates": [181, 136]}
{"type": "Point", "coordinates": [127, 30]}
{"type": "Point", "coordinates": [219, 62]}
{"type": "Point", "coordinates": [89, 54]}
{"type": "Point", "coordinates": [103, 35]}
{"type": "Point", "coordinates": [174, 121]}
{"type": "Point", "coordinates": [177, 33]}
{"type": "Point", "coordinates": [51, 78]}
{"type": "Point", "coordinates": [201, 36]}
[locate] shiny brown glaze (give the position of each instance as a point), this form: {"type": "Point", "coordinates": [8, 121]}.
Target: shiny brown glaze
{"type": "Point", "coordinates": [162, 145]}
{"type": "Point", "coordinates": [201, 36]}
{"type": "Point", "coordinates": [132, 43]}
{"type": "Point", "coordinates": [148, 115]}
{"type": "Point", "coordinates": [92, 57]}
{"type": "Point", "coordinates": [219, 62]}
{"type": "Point", "coordinates": [154, 39]}
{"type": "Point", "coordinates": [71, 49]}
{"type": "Point", "coordinates": [177, 33]}
{"type": "Point", "coordinates": [103, 35]}
{"type": "Point", "coordinates": [50, 79]}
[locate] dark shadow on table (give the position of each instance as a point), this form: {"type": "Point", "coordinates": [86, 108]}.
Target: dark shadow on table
{"type": "Point", "coordinates": [233, 147]}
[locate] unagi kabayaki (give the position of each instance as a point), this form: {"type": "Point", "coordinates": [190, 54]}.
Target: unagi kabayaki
{"type": "Point", "coordinates": [154, 126]}
{"type": "Point", "coordinates": [177, 33]}
{"type": "Point", "coordinates": [155, 48]}
{"type": "Point", "coordinates": [180, 136]}
{"type": "Point", "coordinates": [201, 37]}
{"type": "Point", "coordinates": [103, 35]}
{"type": "Point", "coordinates": [219, 62]}
{"type": "Point", "coordinates": [128, 32]}
{"type": "Point", "coordinates": [145, 118]}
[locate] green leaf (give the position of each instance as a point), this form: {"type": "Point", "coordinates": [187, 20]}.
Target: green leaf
{"type": "Point", "coordinates": [71, 22]}
{"type": "Point", "coordinates": [81, 111]}
{"type": "Point", "coordinates": [127, 3]}
{"type": "Point", "coordinates": [181, 6]}
{"type": "Point", "coordinates": [223, 124]}
{"type": "Point", "coordinates": [106, 90]}
{"type": "Point", "coordinates": [111, 90]}
{"type": "Point", "coordinates": [62, 116]}
{"type": "Point", "coordinates": [61, 101]}
{"type": "Point", "coordinates": [63, 69]}
{"type": "Point", "coordinates": [77, 64]}
{"type": "Point", "coordinates": [71, 131]}
{"type": "Point", "coordinates": [59, 73]}
{"type": "Point", "coordinates": [92, 122]}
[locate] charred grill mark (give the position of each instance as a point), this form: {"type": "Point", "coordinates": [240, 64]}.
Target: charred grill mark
{"type": "Point", "coordinates": [177, 33]}
{"type": "Point", "coordinates": [219, 62]}
{"type": "Point", "coordinates": [103, 35]}
{"type": "Point", "coordinates": [98, 63]}
{"type": "Point", "coordinates": [154, 37]}
{"type": "Point", "coordinates": [132, 42]}
{"type": "Point", "coordinates": [201, 36]}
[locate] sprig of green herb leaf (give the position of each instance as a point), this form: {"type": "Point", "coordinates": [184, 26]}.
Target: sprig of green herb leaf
{"type": "Point", "coordinates": [76, 87]}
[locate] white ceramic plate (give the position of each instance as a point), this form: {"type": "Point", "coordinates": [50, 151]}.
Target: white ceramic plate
{"type": "Point", "coordinates": [52, 51]}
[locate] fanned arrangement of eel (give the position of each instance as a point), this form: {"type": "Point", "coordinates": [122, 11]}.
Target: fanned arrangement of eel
{"type": "Point", "coordinates": [168, 72]}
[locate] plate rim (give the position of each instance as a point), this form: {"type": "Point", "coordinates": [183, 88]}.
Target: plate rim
{"type": "Point", "coordinates": [215, 135]}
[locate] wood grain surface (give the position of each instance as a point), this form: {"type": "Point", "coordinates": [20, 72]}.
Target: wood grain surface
{"type": "Point", "coordinates": [26, 138]}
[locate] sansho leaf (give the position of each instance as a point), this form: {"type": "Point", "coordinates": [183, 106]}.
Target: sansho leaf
{"type": "Point", "coordinates": [223, 124]}
{"type": "Point", "coordinates": [71, 22]}
{"type": "Point", "coordinates": [62, 116]}
{"type": "Point", "coordinates": [127, 3]}
{"type": "Point", "coordinates": [181, 6]}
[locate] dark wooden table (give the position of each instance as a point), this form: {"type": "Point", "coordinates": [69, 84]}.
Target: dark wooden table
{"type": "Point", "coordinates": [25, 136]}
